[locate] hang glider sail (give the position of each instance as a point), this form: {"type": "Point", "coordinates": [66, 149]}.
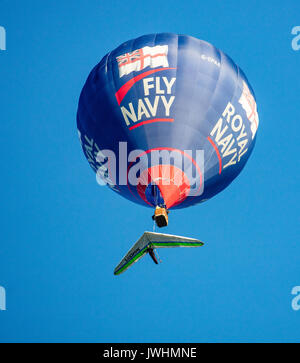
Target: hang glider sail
{"type": "Point", "coordinates": [147, 244]}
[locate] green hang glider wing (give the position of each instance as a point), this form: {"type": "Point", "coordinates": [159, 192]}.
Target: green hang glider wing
{"type": "Point", "coordinates": [153, 240]}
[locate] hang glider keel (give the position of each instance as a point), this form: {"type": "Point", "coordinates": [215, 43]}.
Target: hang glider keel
{"type": "Point", "coordinates": [150, 241]}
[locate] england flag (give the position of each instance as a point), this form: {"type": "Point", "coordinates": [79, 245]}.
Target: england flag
{"type": "Point", "coordinates": [141, 58]}
{"type": "Point", "coordinates": [249, 105]}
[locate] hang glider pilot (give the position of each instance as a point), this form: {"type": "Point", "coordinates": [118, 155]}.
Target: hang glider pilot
{"type": "Point", "coordinates": [150, 250]}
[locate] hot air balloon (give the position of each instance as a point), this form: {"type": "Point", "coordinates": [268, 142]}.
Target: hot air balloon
{"type": "Point", "coordinates": [167, 121]}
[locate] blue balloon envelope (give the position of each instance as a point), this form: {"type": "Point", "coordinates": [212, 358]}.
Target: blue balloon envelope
{"type": "Point", "coordinates": [167, 119]}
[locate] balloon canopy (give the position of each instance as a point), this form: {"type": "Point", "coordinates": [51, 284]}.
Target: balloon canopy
{"type": "Point", "coordinates": [167, 119]}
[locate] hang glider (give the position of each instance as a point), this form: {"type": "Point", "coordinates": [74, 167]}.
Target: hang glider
{"type": "Point", "coordinates": [147, 244]}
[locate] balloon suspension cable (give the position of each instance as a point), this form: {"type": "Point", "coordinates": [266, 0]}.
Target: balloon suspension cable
{"type": "Point", "coordinates": [154, 225]}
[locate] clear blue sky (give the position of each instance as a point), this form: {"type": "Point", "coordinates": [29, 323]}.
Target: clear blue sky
{"type": "Point", "coordinates": [62, 234]}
